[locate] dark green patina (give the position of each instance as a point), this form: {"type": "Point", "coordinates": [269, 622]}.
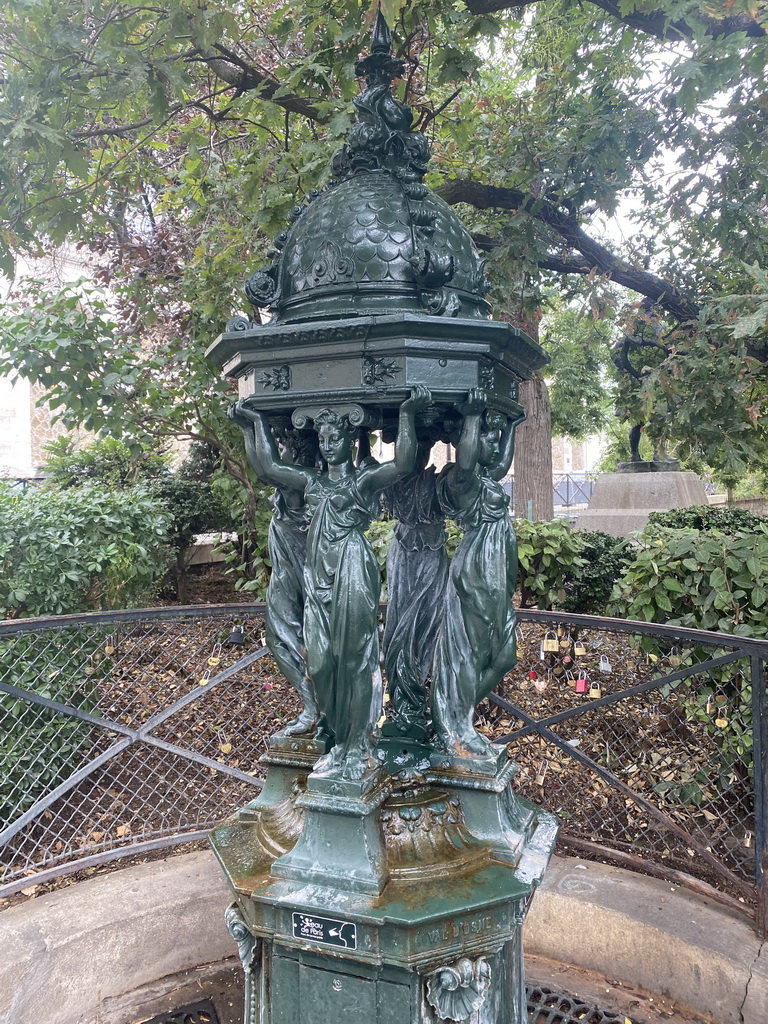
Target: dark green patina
{"type": "Point", "coordinates": [384, 872]}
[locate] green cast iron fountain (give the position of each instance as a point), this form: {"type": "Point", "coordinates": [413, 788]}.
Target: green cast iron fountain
{"type": "Point", "coordinates": [385, 870]}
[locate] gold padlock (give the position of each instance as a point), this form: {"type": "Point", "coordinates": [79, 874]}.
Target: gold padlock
{"type": "Point", "coordinates": [722, 721]}
{"type": "Point", "coordinates": [542, 773]}
{"type": "Point", "coordinates": [550, 643]}
{"type": "Point", "coordinates": [595, 690]}
{"type": "Point", "coordinates": [109, 649]}
{"type": "Point", "coordinates": [579, 648]}
{"type": "Point", "coordinates": [748, 839]}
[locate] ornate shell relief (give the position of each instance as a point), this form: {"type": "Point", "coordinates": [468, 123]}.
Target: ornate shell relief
{"type": "Point", "coordinates": [376, 240]}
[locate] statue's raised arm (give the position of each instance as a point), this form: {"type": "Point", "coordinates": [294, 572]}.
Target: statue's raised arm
{"type": "Point", "coordinates": [375, 478]}
{"type": "Point", "coordinates": [262, 451]}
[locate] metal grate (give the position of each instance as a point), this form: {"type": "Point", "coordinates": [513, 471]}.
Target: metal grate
{"type": "Point", "coordinates": [196, 1013]}
{"type": "Point", "coordinates": [547, 1006]}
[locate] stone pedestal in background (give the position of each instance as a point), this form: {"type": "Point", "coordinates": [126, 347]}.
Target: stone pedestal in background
{"type": "Point", "coordinates": [621, 502]}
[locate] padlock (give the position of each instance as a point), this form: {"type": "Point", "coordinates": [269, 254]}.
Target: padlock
{"type": "Point", "coordinates": [579, 648]}
{"type": "Point", "coordinates": [710, 705]}
{"type": "Point", "coordinates": [532, 674]}
{"type": "Point", "coordinates": [567, 660]}
{"type": "Point", "coordinates": [605, 665]}
{"type": "Point", "coordinates": [540, 685]}
{"type": "Point", "coordinates": [674, 657]}
{"type": "Point", "coordinates": [569, 678]}
{"type": "Point", "coordinates": [582, 684]}
{"type": "Point", "coordinates": [550, 643]}
{"type": "Point", "coordinates": [203, 680]}
{"type": "Point", "coordinates": [109, 647]}
{"type": "Point", "coordinates": [558, 670]}
{"type": "Point", "coordinates": [748, 839]}
{"type": "Point", "coordinates": [565, 645]}
{"type": "Point", "coordinates": [542, 655]}
{"type": "Point", "coordinates": [542, 773]}
{"type": "Point", "coordinates": [595, 691]}
{"type": "Point", "coordinates": [722, 720]}
{"type": "Point", "coordinates": [651, 658]}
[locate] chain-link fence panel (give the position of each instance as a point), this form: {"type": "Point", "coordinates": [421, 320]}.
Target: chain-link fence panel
{"type": "Point", "coordinates": [642, 741]}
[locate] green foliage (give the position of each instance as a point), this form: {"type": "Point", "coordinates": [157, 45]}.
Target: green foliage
{"type": "Point", "coordinates": [588, 585]}
{"type": "Point", "coordinates": [548, 553]}
{"type": "Point", "coordinates": [581, 394]}
{"type": "Point", "coordinates": [705, 579]}
{"type": "Point", "coordinates": [79, 549]}
{"type": "Point", "coordinates": [708, 517]}
{"type": "Point", "coordinates": [172, 142]}
{"type": "Point", "coordinates": [107, 461]}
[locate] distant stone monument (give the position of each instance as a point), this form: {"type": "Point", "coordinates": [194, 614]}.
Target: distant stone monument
{"type": "Point", "coordinates": [622, 501]}
{"type": "Point", "coordinates": [386, 869]}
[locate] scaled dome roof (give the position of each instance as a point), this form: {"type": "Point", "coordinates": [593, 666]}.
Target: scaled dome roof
{"type": "Point", "coordinates": [376, 240]}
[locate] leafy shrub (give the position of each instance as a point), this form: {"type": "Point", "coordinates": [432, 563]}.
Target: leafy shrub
{"type": "Point", "coordinates": [106, 461]}
{"type": "Point", "coordinates": [550, 554]}
{"type": "Point", "coordinates": [708, 517]}
{"type": "Point", "coordinates": [78, 549]}
{"type": "Point", "coordinates": [603, 561]}
{"type": "Point", "coordinates": [698, 578]}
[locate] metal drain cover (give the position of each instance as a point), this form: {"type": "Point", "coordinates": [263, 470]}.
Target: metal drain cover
{"type": "Point", "coordinates": [547, 1006]}
{"type": "Point", "coordinates": [196, 1013]}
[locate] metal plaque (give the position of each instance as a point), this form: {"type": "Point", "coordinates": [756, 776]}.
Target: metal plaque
{"type": "Point", "coordinates": [325, 929]}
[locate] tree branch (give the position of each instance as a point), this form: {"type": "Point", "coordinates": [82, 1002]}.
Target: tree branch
{"type": "Point", "coordinates": [594, 257]}
{"type": "Point", "coordinates": [655, 23]}
{"type": "Point", "coordinates": [230, 68]}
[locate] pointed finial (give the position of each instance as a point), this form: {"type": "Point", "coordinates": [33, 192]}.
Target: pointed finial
{"type": "Point", "coordinates": [381, 40]}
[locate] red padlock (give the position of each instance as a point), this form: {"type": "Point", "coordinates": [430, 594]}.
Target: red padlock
{"type": "Point", "coordinates": [582, 684]}
{"type": "Point", "coordinates": [532, 675]}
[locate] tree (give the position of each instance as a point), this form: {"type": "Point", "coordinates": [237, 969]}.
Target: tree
{"type": "Point", "coordinates": [170, 143]}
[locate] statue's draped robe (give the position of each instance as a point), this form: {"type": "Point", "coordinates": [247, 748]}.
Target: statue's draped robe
{"type": "Point", "coordinates": [340, 619]}
{"type": "Point", "coordinates": [417, 573]}
{"type": "Point", "coordinates": [283, 620]}
{"type": "Point", "coordinates": [478, 630]}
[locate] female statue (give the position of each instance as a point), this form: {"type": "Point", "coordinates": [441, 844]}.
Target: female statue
{"type": "Point", "coordinates": [341, 574]}
{"type": "Point", "coordinates": [476, 645]}
{"type": "Point", "coordinates": [287, 543]}
{"type": "Point", "coordinates": [417, 573]}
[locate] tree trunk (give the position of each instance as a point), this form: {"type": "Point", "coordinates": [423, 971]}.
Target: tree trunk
{"type": "Point", "coordinates": [533, 453]}
{"type": "Point", "coordinates": [532, 467]}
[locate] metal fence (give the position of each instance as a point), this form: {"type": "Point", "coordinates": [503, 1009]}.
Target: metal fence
{"type": "Point", "coordinates": [569, 490]}
{"type": "Point", "coordinates": [127, 731]}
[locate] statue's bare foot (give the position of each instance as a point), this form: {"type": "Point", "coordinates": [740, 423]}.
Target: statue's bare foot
{"type": "Point", "coordinates": [472, 744]}
{"type": "Point", "coordinates": [306, 722]}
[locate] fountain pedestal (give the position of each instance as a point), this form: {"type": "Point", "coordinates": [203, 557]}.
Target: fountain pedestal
{"type": "Point", "coordinates": [401, 903]}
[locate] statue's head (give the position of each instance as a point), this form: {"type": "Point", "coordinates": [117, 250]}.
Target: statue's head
{"type": "Point", "coordinates": [336, 436]}
{"type": "Point", "coordinates": [490, 437]}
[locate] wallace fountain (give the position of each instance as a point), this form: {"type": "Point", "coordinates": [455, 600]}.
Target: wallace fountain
{"type": "Point", "coordinates": [385, 870]}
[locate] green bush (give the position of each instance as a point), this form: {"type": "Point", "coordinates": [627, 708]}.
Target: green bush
{"type": "Point", "coordinates": [698, 578]}
{"type": "Point", "coordinates": [708, 517]}
{"type": "Point", "coordinates": [603, 561]}
{"type": "Point", "coordinates": [550, 554]}
{"type": "Point", "coordinates": [107, 461]}
{"type": "Point", "coordinates": [66, 551]}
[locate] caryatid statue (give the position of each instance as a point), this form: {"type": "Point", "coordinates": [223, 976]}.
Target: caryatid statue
{"type": "Point", "coordinates": [476, 645]}
{"type": "Point", "coordinates": [417, 574]}
{"type": "Point", "coordinates": [341, 574]}
{"type": "Point", "coordinates": [287, 543]}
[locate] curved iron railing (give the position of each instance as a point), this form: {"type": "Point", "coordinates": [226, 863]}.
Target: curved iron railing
{"type": "Point", "coordinates": [127, 731]}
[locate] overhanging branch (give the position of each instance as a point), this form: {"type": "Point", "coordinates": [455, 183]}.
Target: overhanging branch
{"type": "Point", "coordinates": [593, 256]}
{"type": "Point", "coordinates": [655, 23]}
{"type": "Point", "coordinates": [233, 70]}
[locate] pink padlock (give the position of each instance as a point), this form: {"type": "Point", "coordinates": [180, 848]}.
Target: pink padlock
{"type": "Point", "coordinates": [582, 684]}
